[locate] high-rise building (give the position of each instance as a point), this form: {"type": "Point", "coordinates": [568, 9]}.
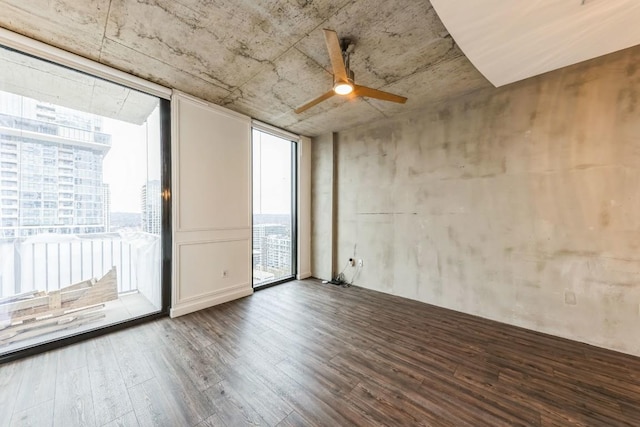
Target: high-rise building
{"type": "Point", "coordinates": [278, 251]}
{"type": "Point", "coordinates": [260, 234]}
{"type": "Point", "coordinates": [106, 207]}
{"type": "Point", "coordinates": [50, 169]}
{"type": "Point", "coordinates": [151, 207]}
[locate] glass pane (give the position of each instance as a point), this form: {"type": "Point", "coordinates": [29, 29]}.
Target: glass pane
{"type": "Point", "coordinates": [79, 202]}
{"type": "Point", "coordinates": [272, 208]}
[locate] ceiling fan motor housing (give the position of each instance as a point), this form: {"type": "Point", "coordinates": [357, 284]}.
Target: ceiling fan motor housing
{"type": "Point", "coordinates": [350, 78]}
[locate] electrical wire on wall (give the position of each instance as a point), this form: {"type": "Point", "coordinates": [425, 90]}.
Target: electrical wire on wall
{"type": "Point", "coordinates": [355, 274]}
{"type": "Point", "coordinates": [341, 279]}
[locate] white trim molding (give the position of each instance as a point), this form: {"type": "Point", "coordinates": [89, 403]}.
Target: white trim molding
{"type": "Point", "coordinates": [267, 128]}
{"type": "Point", "coordinates": [224, 295]}
{"type": "Point", "coordinates": [302, 276]}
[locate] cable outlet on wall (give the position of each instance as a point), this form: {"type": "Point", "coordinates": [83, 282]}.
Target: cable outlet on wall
{"type": "Point", "coordinates": [360, 263]}
{"type": "Point", "coordinates": [352, 262]}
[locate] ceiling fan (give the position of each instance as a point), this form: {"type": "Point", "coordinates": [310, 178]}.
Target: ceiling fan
{"type": "Point", "coordinates": [343, 77]}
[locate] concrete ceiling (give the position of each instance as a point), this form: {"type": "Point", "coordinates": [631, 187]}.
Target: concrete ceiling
{"type": "Point", "coordinates": [262, 58]}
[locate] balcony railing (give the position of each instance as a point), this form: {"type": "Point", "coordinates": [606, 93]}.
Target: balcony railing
{"type": "Point", "coordinates": [50, 262]}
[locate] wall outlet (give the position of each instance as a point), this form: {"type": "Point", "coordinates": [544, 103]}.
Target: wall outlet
{"type": "Point", "coordinates": [360, 263]}
{"type": "Point", "coordinates": [352, 262]}
{"type": "Point", "coordinates": [225, 273]}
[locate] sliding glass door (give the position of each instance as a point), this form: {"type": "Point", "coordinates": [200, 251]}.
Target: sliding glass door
{"type": "Point", "coordinates": [274, 213]}
{"type": "Point", "coordinates": [80, 202]}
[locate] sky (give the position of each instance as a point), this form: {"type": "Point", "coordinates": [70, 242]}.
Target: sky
{"type": "Point", "coordinates": [271, 174]}
{"type": "Point", "coordinates": [133, 159]}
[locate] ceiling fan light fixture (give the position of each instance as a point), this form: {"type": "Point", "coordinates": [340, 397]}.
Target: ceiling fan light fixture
{"type": "Point", "coordinates": [343, 77]}
{"type": "Point", "coordinates": [343, 88]}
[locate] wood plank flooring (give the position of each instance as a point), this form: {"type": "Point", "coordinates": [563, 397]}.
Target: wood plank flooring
{"type": "Point", "coordinates": [304, 354]}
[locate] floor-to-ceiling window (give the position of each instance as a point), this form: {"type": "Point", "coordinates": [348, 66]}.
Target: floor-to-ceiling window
{"type": "Point", "coordinates": [81, 205]}
{"type": "Point", "coordinates": [274, 213]}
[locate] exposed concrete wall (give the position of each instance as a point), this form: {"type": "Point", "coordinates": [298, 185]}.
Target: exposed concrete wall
{"type": "Point", "coordinates": [519, 204]}
{"type": "Point", "coordinates": [322, 212]}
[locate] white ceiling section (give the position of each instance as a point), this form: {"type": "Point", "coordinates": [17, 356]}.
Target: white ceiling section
{"type": "Point", "coordinates": [510, 40]}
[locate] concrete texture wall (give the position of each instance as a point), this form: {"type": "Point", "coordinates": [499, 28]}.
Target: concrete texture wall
{"type": "Point", "coordinates": [322, 206]}
{"type": "Point", "coordinates": [519, 204]}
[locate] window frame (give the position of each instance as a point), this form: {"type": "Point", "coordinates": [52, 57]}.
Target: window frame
{"type": "Point", "coordinates": [295, 143]}
{"type": "Point", "coordinates": [25, 46]}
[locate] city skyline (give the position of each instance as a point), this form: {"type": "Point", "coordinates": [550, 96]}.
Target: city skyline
{"type": "Point", "coordinates": [271, 250]}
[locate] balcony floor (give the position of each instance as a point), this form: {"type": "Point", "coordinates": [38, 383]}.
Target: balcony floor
{"type": "Point", "coordinates": [126, 307]}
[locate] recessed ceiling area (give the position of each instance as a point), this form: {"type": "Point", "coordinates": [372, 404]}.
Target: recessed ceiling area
{"type": "Point", "coordinates": [510, 41]}
{"type": "Point", "coordinates": [262, 59]}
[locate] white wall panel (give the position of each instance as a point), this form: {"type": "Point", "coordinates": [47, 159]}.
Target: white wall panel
{"type": "Point", "coordinates": [213, 152]}
{"type": "Point", "coordinates": [219, 263]}
{"type": "Point", "coordinates": [211, 197]}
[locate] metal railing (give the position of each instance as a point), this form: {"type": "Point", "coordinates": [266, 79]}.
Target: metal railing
{"type": "Point", "coordinates": [54, 261]}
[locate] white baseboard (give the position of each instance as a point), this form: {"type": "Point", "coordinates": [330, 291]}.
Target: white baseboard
{"type": "Point", "coordinates": [302, 276]}
{"type": "Point", "coordinates": [190, 307]}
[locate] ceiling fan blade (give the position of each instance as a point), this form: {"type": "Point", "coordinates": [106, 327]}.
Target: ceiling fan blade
{"type": "Point", "coordinates": [318, 100]}
{"type": "Point", "coordinates": [335, 54]}
{"type": "Point", "coordinates": [378, 94]}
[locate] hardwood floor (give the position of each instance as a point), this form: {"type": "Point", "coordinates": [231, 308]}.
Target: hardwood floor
{"type": "Point", "coordinates": [304, 353]}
